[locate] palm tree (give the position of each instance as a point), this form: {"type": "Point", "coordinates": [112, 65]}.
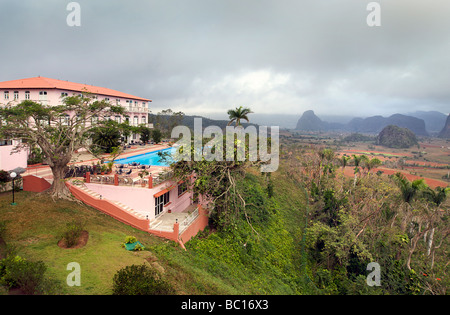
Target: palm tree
{"type": "Point", "coordinates": [237, 114]}
{"type": "Point", "coordinates": [357, 160]}
{"type": "Point", "coordinates": [408, 189]}
{"type": "Point", "coordinates": [344, 161]}
{"type": "Point", "coordinates": [436, 196]}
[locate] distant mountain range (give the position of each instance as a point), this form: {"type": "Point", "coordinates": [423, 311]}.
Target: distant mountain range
{"type": "Point", "coordinates": [445, 132]}
{"type": "Point", "coordinates": [421, 123]}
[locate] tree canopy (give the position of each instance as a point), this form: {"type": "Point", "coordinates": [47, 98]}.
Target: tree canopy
{"type": "Point", "coordinates": [57, 130]}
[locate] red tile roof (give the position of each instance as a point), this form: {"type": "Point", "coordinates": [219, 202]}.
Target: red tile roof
{"type": "Point", "coordinates": [47, 83]}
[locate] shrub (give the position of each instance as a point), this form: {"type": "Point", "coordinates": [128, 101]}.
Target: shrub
{"type": "Point", "coordinates": [138, 247]}
{"type": "Point", "coordinates": [130, 239]}
{"type": "Point", "coordinates": [4, 176]}
{"type": "Point", "coordinates": [28, 276]}
{"type": "Point", "coordinates": [72, 233]}
{"type": "Point", "coordinates": [140, 280]}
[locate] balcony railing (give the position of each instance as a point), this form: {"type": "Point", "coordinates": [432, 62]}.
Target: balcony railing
{"type": "Point", "coordinates": [162, 177]}
{"type": "Point", "coordinates": [188, 220]}
{"type": "Point", "coordinates": [136, 109]}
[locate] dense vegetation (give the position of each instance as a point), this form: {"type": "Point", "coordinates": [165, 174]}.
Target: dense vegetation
{"type": "Point", "coordinates": [399, 224]}
{"type": "Point", "coordinates": [305, 229]}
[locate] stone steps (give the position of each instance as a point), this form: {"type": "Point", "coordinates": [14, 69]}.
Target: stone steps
{"type": "Point", "coordinates": [125, 208]}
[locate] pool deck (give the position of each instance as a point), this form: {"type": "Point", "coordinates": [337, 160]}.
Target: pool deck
{"type": "Point", "coordinates": [85, 158]}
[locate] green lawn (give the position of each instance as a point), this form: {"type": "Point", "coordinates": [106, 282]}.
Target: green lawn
{"type": "Point", "coordinates": [34, 227]}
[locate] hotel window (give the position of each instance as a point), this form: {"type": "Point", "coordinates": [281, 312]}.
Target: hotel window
{"type": "Point", "coordinates": [42, 95]}
{"type": "Point", "coordinates": [27, 95]}
{"type": "Point", "coordinates": [118, 119]}
{"type": "Point", "coordinates": [136, 103]}
{"type": "Point", "coordinates": [64, 94]}
{"type": "Point", "coordinates": [16, 95]}
{"type": "Point", "coordinates": [135, 120]}
{"type": "Point", "coordinates": [117, 101]}
{"type": "Point", "coordinates": [160, 202]}
{"type": "Point", "coordinates": [143, 120]}
{"type": "Point", "coordinates": [182, 188]}
{"type": "Point", "coordinates": [6, 95]}
{"type": "Point", "coordinates": [107, 99]}
{"type": "Point", "coordinates": [144, 104]}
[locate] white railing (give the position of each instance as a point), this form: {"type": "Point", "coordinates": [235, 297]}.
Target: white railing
{"type": "Point", "coordinates": [189, 219]}
{"type": "Point", "coordinates": [162, 177]}
{"type": "Point", "coordinates": [136, 109]}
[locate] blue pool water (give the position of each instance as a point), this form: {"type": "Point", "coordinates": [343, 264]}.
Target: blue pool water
{"type": "Point", "coordinates": [151, 158]}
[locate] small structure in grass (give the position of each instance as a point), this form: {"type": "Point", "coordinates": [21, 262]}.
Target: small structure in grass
{"type": "Point", "coordinates": [131, 243]}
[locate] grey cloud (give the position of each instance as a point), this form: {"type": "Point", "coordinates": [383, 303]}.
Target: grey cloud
{"type": "Point", "coordinates": [275, 56]}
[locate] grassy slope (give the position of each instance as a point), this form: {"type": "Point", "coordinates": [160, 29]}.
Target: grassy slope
{"type": "Point", "coordinates": [219, 263]}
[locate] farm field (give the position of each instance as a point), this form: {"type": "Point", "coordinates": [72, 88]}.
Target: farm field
{"type": "Point", "coordinates": [429, 160]}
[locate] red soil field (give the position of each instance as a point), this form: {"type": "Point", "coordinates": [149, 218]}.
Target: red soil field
{"type": "Point", "coordinates": [433, 183]}
{"type": "Point", "coordinates": [423, 163]}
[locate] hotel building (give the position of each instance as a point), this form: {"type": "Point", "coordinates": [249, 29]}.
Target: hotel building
{"type": "Point", "coordinates": [51, 92]}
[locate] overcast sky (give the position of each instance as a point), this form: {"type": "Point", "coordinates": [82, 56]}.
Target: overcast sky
{"type": "Point", "coordinates": [206, 56]}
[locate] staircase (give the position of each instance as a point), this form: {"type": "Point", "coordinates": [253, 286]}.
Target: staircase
{"type": "Point", "coordinates": [120, 205]}
{"type": "Point", "coordinates": [115, 209]}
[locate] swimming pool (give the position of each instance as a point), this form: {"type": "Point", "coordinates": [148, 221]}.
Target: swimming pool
{"type": "Point", "coordinates": [151, 158]}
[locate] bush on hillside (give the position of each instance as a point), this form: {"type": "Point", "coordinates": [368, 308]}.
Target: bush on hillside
{"type": "Point", "coordinates": [140, 280]}
{"type": "Point", "coordinates": [72, 233]}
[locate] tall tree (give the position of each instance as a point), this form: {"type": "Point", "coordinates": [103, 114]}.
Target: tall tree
{"type": "Point", "coordinates": [237, 114]}
{"type": "Point", "coordinates": [357, 161]}
{"type": "Point", "coordinates": [408, 189]}
{"type": "Point", "coordinates": [106, 137]}
{"type": "Point", "coordinates": [344, 160]}
{"type": "Point", "coordinates": [57, 130]}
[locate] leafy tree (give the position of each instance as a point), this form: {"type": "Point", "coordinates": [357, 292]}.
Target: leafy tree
{"type": "Point", "coordinates": [57, 134]}
{"type": "Point", "coordinates": [344, 161]}
{"type": "Point", "coordinates": [371, 164]}
{"type": "Point", "coordinates": [357, 160]}
{"type": "Point", "coordinates": [235, 115]}
{"type": "Point", "coordinates": [145, 133]}
{"type": "Point", "coordinates": [156, 135]}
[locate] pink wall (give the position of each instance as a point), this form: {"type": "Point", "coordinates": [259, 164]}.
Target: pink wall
{"type": "Point", "coordinates": [141, 199]}
{"type": "Point", "coordinates": [10, 161]}
{"type": "Point", "coordinates": [109, 208]}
